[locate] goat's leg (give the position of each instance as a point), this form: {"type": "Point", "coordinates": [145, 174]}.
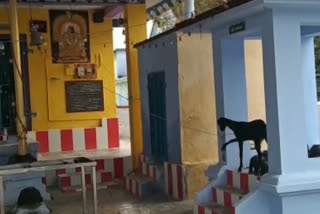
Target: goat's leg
{"type": "Point", "coordinates": [257, 145]}
{"type": "Point", "coordinates": [226, 144]}
{"type": "Point", "coordinates": [240, 155]}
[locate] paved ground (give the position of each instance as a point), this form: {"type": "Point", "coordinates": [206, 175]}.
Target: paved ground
{"type": "Point", "coordinates": [117, 201]}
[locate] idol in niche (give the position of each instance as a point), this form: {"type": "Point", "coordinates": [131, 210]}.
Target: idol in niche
{"type": "Point", "coordinates": [70, 32]}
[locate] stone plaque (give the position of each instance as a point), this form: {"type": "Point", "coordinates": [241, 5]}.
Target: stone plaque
{"type": "Point", "coordinates": [84, 96]}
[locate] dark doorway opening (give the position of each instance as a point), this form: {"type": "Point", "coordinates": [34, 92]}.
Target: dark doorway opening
{"type": "Point", "coordinates": [157, 114]}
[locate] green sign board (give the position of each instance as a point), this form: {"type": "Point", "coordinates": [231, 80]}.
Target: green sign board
{"type": "Point", "coordinates": [237, 28]}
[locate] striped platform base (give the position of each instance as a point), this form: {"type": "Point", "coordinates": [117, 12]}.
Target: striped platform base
{"type": "Point", "coordinates": [138, 185]}
{"type": "Point", "coordinates": [71, 182]}
{"type": "Point", "coordinates": [212, 209]}
{"type": "Point", "coordinates": [225, 199]}
{"type": "Point", "coordinates": [175, 176]}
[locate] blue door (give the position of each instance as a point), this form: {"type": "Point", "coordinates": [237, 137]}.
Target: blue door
{"type": "Point", "coordinates": [157, 114]}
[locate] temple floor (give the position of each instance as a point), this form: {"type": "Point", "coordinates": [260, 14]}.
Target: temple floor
{"type": "Point", "coordinates": [117, 201]}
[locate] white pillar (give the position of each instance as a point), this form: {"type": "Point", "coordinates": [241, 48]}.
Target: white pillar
{"type": "Point", "coordinates": [189, 9]}
{"type": "Point", "coordinates": [231, 93]}
{"type": "Point", "coordinates": [310, 90]}
{"type": "Point", "coordinates": [284, 92]}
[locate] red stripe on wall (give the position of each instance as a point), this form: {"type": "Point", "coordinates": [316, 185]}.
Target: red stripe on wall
{"type": "Point", "coordinates": [170, 180]}
{"type": "Point", "coordinates": [244, 182]}
{"type": "Point", "coordinates": [118, 167]}
{"type": "Point", "coordinates": [90, 138]}
{"type": "Point", "coordinates": [214, 195]}
{"type": "Point", "coordinates": [233, 210]}
{"type": "Point", "coordinates": [180, 181]}
{"type": "Point", "coordinates": [88, 179]}
{"type": "Point", "coordinates": [130, 185]}
{"type": "Point", "coordinates": [43, 139]}
{"type": "Point", "coordinates": [113, 133]}
{"type": "Point", "coordinates": [66, 181]}
{"type": "Point", "coordinates": [106, 177]}
{"type": "Point", "coordinates": [66, 140]}
{"type": "Point", "coordinates": [201, 210]}
{"type": "Point", "coordinates": [100, 165]}
{"type": "Point", "coordinates": [60, 171]}
{"type": "Point", "coordinates": [215, 212]}
{"type": "Point", "coordinates": [227, 199]}
{"type": "Point", "coordinates": [230, 178]}
{"type": "Point", "coordinates": [137, 189]}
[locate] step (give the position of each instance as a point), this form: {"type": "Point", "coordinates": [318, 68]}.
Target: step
{"type": "Point", "coordinates": [227, 196]}
{"type": "Point", "coordinates": [152, 170]}
{"type": "Point", "coordinates": [138, 184]}
{"type": "Point", "coordinates": [242, 180]}
{"type": "Point", "coordinates": [212, 208]}
{"type": "Point", "coordinates": [78, 188]}
{"type": "Point", "coordinates": [74, 179]}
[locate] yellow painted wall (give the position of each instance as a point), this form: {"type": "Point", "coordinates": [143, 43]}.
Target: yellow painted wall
{"type": "Point", "coordinates": [255, 81]}
{"type": "Point", "coordinates": [47, 95]}
{"type": "Point", "coordinates": [197, 99]}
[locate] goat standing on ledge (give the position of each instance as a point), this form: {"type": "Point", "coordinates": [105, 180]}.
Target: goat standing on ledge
{"type": "Point", "coordinates": [255, 130]}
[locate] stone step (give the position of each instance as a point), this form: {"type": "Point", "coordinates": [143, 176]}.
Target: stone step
{"type": "Point", "coordinates": [227, 196]}
{"type": "Point", "coordinates": [212, 208]}
{"type": "Point", "coordinates": [69, 180]}
{"type": "Point", "coordinates": [152, 170]}
{"type": "Point", "coordinates": [242, 180]}
{"type": "Point", "coordinates": [138, 184]}
{"type": "Point", "coordinates": [106, 185]}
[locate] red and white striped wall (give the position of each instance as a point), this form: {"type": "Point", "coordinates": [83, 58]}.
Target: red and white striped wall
{"type": "Point", "coordinates": [175, 180]}
{"type": "Point", "coordinates": [199, 209]}
{"type": "Point", "coordinates": [137, 187]}
{"type": "Point", "coordinates": [78, 139]}
{"type": "Point", "coordinates": [150, 170]}
{"type": "Point", "coordinates": [132, 186]}
{"type": "Point", "coordinates": [118, 168]}
{"type": "Point", "coordinates": [243, 181]}
{"type": "Point", "coordinates": [225, 198]}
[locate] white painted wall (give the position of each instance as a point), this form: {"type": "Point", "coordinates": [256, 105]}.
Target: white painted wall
{"type": "Point", "coordinates": [122, 92]}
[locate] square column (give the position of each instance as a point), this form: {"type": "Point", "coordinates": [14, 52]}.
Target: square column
{"type": "Point", "coordinates": [284, 92]}
{"type": "Point", "coordinates": [310, 90]}
{"type": "Point", "coordinates": [231, 93]}
{"type": "Point", "coordinates": [136, 31]}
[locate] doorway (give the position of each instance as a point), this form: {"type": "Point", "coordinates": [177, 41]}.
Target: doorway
{"type": "Point", "coordinates": [157, 114]}
{"type": "Point", "coordinates": [7, 87]}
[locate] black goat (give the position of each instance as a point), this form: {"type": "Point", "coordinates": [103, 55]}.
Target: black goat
{"type": "Point", "coordinates": [255, 130]}
{"type": "Point", "coordinates": [259, 168]}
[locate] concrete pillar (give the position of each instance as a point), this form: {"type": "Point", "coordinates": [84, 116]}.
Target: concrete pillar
{"type": "Point", "coordinates": [231, 94]}
{"type": "Point", "coordinates": [285, 95]}
{"type": "Point", "coordinates": [136, 31]}
{"type": "Point", "coordinates": [189, 9]}
{"type": "Point", "coordinates": [310, 90]}
{"type": "Point", "coordinates": [20, 120]}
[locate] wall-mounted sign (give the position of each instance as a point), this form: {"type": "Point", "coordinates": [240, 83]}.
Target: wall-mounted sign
{"type": "Point", "coordinates": [84, 96]}
{"type": "Point", "coordinates": [237, 28]}
{"type": "Point", "coordinates": [40, 26]}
